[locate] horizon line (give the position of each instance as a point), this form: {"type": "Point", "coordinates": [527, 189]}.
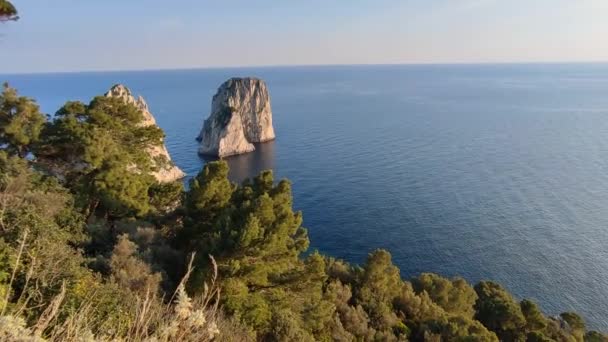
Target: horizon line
{"type": "Point", "coordinates": [268, 66]}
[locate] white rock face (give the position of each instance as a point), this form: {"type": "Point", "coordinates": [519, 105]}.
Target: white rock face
{"type": "Point", "coordinates": [240, 115]}
{"type": "Point", "coordinates": [168, 172]}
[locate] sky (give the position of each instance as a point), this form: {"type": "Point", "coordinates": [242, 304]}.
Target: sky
{"type": "Point", "coordinates": [79, 35]}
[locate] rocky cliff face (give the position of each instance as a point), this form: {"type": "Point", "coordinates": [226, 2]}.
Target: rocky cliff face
{"type": "Point", "coordinates": [240, 115]}
{"type": "Point", "coordinates": [168, 172]}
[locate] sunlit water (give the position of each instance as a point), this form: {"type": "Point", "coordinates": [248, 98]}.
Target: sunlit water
{"type": "Point", "coordinates": [489, 172]}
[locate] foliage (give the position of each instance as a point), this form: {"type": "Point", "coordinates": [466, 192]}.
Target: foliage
{"type": "Point", "coordinates": [129, 271]}
{"type": "Point", "coordinates": [454, 296]}
{"type": "Point", "coordinates": [257, 240]}
{"type": "Point", "coordinates": [38, 214]}
{"type": "Point", "coordinates": [184, 319]}
{"type": "Point", "coordinates": [498, 311]}
{"type": "Point", "coordinates": [575, 323]}
{"type": "Point", "coordinates": [535, 320]}
{"type": "Point", "coordinates": [270, 286]}
{"type": "Point", "coordinates": [7, 11]}
{"type": "Point", "coordinates": [594, 336]}
{"type": "Point", "coordinates": [101, 151]}
{"type": "Point", "coordinates": [20, 121]}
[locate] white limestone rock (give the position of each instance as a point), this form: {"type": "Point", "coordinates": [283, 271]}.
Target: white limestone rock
{"type": "Point", "coordinates": [167, 172]}
{"type": "Point", "coordinates": [240, 115]}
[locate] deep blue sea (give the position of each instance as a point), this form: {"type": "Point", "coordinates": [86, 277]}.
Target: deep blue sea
{"type": "Point", "coordinates": [486, 171]}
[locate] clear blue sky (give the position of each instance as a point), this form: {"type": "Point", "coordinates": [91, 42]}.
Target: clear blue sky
{"type": "Point", "coordinates": [72, 35]}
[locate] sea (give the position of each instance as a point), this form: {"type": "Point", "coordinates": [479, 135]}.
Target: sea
{"type": "Point", "coordinates": [496, 171]}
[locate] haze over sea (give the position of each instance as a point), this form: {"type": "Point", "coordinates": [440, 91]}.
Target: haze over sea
{"type": "Point", "coordinates": [485, 171]}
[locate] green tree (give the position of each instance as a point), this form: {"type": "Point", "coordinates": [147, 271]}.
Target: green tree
{"type": "Point", "coordinates": [129, 271]}
{"type": "Point", "coordinates": [101, 150]}
{"type": "Point", "coordinates": [352, 322]}
{"type": "Point", "coordinates": [380, 284]}
{"type": "Point", "coordinates": [454, 296]}
{"type": "Point", "coordinates": [419, 310]}
{"type": "Point", "coordinates": [165, 197]}
{"type": "Point", "coordinates": [257, 240]}
{"type": "Point", "coordinates": [7, 11]}
{"type": "Point", "coordinates": [205, 205]}
{"type": "Point", "coordinates": [535, 320]}
{"type": "Point", "coordinates": [458, 328]}
{"type": "Point", "coordinates": [576, 324]}
{"type": "Point", "coordinates": [536, 336]}
{"type": "Point", "coordinates": [252, 229]}
{"type": "Point", "coordinates": [38, 227]}
{"type": "Point", "coordinates": [20, 122]}
{"type": "Point", "coordinates": [594, 336]}
{"type": "Point", "coordinates": [499, 312]}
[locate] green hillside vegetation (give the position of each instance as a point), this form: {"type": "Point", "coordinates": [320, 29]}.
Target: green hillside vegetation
{"type": "Point", "coordinates": [91, 246]}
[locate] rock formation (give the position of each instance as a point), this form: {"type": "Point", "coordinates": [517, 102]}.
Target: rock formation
{"type": "Point", "coordinates": [240, 115]}
{"type": "Point", "coordinates": [167, 172]}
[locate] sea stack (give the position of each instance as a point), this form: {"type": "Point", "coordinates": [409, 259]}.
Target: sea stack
{"type": "Point", "coordinates": [240, 116]}
{"type": "Point", "coordinates": [167, 172]}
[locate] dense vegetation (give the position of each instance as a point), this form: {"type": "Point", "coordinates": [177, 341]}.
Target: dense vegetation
{"type": "Point", "coordinates": [91, 245]}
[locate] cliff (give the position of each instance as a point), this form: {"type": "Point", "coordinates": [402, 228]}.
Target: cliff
{"type": "Point", "coordinates": [240, 116]}
{"type": "Point", "coordinates": [167, 172]}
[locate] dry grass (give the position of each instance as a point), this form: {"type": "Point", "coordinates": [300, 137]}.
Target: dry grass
{"type": "Point", "coordinates": [182, 319]}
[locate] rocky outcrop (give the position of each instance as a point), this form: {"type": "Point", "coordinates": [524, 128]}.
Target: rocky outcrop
{"type": "Point", "coordinates": [167, 172]}
{"type": "Point", "coordinates": [240, 116]}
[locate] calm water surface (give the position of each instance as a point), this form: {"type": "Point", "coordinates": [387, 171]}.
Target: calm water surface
{"type": "Point", "coordinates": [489, 172]}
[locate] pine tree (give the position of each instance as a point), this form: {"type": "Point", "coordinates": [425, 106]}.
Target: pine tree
{"type": "Point", "coordinates": [20, 122]}
{"type": "Point", "coordinates": [499, 312]}
{"type": "Point", "coordinates": [257, 240]}
{"type": "Point", "coordinates": [100, 149]}
{"type": "Point", "coordinates": [535, 320]}
{"type": "Point", "coordinates": [454, 296]}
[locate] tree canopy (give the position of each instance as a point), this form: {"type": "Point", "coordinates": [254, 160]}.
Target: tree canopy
{"type": "Point", "coordinates": [20, 122]}
{"type": "Point", "coordinates": [7, 11]}
{"type": "Point", "coordinates": [101, 150]}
